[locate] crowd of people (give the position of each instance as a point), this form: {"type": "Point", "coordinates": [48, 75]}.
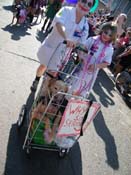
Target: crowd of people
{"type": "Point", "coordinates": [28, 9]}
{"type": "Point", "coordinates": [104, 36]}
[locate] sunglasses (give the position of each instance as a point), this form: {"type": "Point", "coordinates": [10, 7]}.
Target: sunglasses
{"type": "Point", "coordinates": [87, 4]}
{"type": "Point", "coordinates": [107, 33]}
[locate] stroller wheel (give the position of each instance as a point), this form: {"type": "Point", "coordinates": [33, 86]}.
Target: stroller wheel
{"type": "Point", "coordinates": [28, 151]}
{"type": "Point", "coordinates": [63, 152]}
{"type": "Point", "coordinates": [22, 116]}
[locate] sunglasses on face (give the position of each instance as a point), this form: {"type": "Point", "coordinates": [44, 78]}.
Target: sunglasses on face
{"type": "Point", "coordinates": [107, 33]}
{"type": "Point", "coordinates": [87, 4]}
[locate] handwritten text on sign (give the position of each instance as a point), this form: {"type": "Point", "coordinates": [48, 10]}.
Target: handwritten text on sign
{"type": "Point", "coordinates": [73, 116]}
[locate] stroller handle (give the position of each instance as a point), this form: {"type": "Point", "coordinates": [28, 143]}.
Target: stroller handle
{"type": "Point", "coordinates": [64, 42]}
{"type": "Point", "coordinates": [79, 47]}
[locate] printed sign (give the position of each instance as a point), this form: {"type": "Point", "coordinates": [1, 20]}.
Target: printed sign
{"type": "Point", "coordinates": [73, 116]}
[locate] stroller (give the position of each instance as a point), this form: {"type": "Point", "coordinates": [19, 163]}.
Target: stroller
{"type": "Point", "coordinates": [57, 118]}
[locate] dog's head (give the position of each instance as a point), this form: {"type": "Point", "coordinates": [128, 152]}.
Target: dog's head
{"type": "Point", "coordinates": [56, 86]}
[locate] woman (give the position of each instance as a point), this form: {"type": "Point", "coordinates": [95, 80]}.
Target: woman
{"type": "Point", "coordinates": [120, 22]}
{"type": "Point", "coordinates": [69, 24]}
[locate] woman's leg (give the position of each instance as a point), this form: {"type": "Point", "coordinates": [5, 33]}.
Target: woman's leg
{"type": "Point", "coordinates": [13, 19]}
{"type": "Point", "coordinates": [40, 71]}
{"type": "Point", "coordinates": [118, 69]}
{"type": "Point", "coordinates": [49, 24]}
{"type": "Point", "coordinates": [43, 27]}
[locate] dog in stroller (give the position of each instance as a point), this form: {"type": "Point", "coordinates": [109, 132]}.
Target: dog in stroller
{"type": "Point", "coordinates": [52, 111]}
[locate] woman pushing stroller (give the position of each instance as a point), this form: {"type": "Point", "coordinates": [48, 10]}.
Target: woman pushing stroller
{"type": "Point", "coordinates": [69, 24]}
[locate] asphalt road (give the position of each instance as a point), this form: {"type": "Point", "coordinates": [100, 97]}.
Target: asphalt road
{"type": "Point", "coordinates": [105, 149]}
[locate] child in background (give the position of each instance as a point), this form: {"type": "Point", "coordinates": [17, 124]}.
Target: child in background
{"type": "Point", "coordinates": [18, 7]}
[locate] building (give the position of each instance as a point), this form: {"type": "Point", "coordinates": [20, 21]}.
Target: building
{"type": "Point", "coordinates": [122, 6]}
{"type": "Point", "coordinates": [119, 6]}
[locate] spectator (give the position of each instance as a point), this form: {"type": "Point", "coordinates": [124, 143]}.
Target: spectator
{"type": "Point", "coordinates": [120, 22]}
{"type": "Point", "coordinates": [120, 45]}
{"type": "Point", "coordinates": [52, 8]}
{"type": "Point", "coordinates": [34, 7]}
{"type": "Point", "coordinates": [124, 61]}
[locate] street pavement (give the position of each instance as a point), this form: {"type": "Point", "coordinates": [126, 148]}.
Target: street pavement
{"type": "Point", "coordinates": [105, 148]}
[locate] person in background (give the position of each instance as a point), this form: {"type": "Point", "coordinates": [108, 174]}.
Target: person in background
{"type": "Point", "coordinates": [52, 8]}
{"type": "Point", "coordinates": [17, 7]}
{"type": "Point", "coordinates": [120, 22]}
{"type": "Point", "coordinates": [121, 44]}
{"type": "Point", "coordinates": [124, 60]}
{"type": "Point", "coordinates": [34, 6]}
{"type": "Point", "coordinates": [70, 25]}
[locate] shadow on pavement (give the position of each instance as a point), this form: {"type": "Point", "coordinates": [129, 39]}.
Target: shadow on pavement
{"type": "Point", "coordinates": [103, 81]}
{"type": "Point", "coordinates": [105, 134]}
{"type": "Point", "coordinates": [40, 35]}
{"type": "Point", "coordinates": [30, 101]}
{"type": "Point", "coordinates": [7, 7]}
{"type": "Point", "coordinates": [17, 31]}
{"type": "Point", "coordinates": [107, 137]}
{"type": "Point", "coordinates": [40, 162]}
{"type": "Point", "coordinates": [128, 103]}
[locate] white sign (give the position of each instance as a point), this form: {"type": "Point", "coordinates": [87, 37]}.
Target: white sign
{"type": "Point", "coordinates": [73, 116]}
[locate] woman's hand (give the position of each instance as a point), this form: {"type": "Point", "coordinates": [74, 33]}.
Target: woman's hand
{"type": "Point", "coordinates": [128, 50]}
{"type": "Point", "coordinates": [118, 57]}
{"type": "Point", "coordinates": [70, 43]}
{"type": "Point", "coordinates": [91, 68]}
{"type": "Point", "coordinates": [125, 53]}
{"type": "Point", "coordinates": [77, 93]}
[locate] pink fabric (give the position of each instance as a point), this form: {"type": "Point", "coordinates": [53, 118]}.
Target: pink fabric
{"type": "Point", "coordinates": [87, 63]}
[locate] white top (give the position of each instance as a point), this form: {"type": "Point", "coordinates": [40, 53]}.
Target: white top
{"type": "Point", "coordinates": [75, 32]}
{"type": "Point", "coordinates": [107, 57]}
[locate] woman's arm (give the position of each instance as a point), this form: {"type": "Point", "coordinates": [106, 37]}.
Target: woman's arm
{"type": "Point", "coordinates": [102, 65]}
{"type": "Point", "coordinates": [62, 33]}
{"type": "Point", "coordinates": [93, 67]}
{"type": "Point", "coordinates": [60, 30]}
{"type": "Point", "coordinates": [125, 53]}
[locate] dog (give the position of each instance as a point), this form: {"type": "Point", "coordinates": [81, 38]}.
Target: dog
{"type": "Point", "coordinates": [49, 91]}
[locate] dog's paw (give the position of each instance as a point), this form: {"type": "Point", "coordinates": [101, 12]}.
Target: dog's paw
{"type": "Point", "coordinates": [48, 136]}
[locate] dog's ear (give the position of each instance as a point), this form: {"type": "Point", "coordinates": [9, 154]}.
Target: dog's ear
{"type": "Point", "coordinates": [66, 89]}
{"type": "Point", "coordinates": [51, 82]}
